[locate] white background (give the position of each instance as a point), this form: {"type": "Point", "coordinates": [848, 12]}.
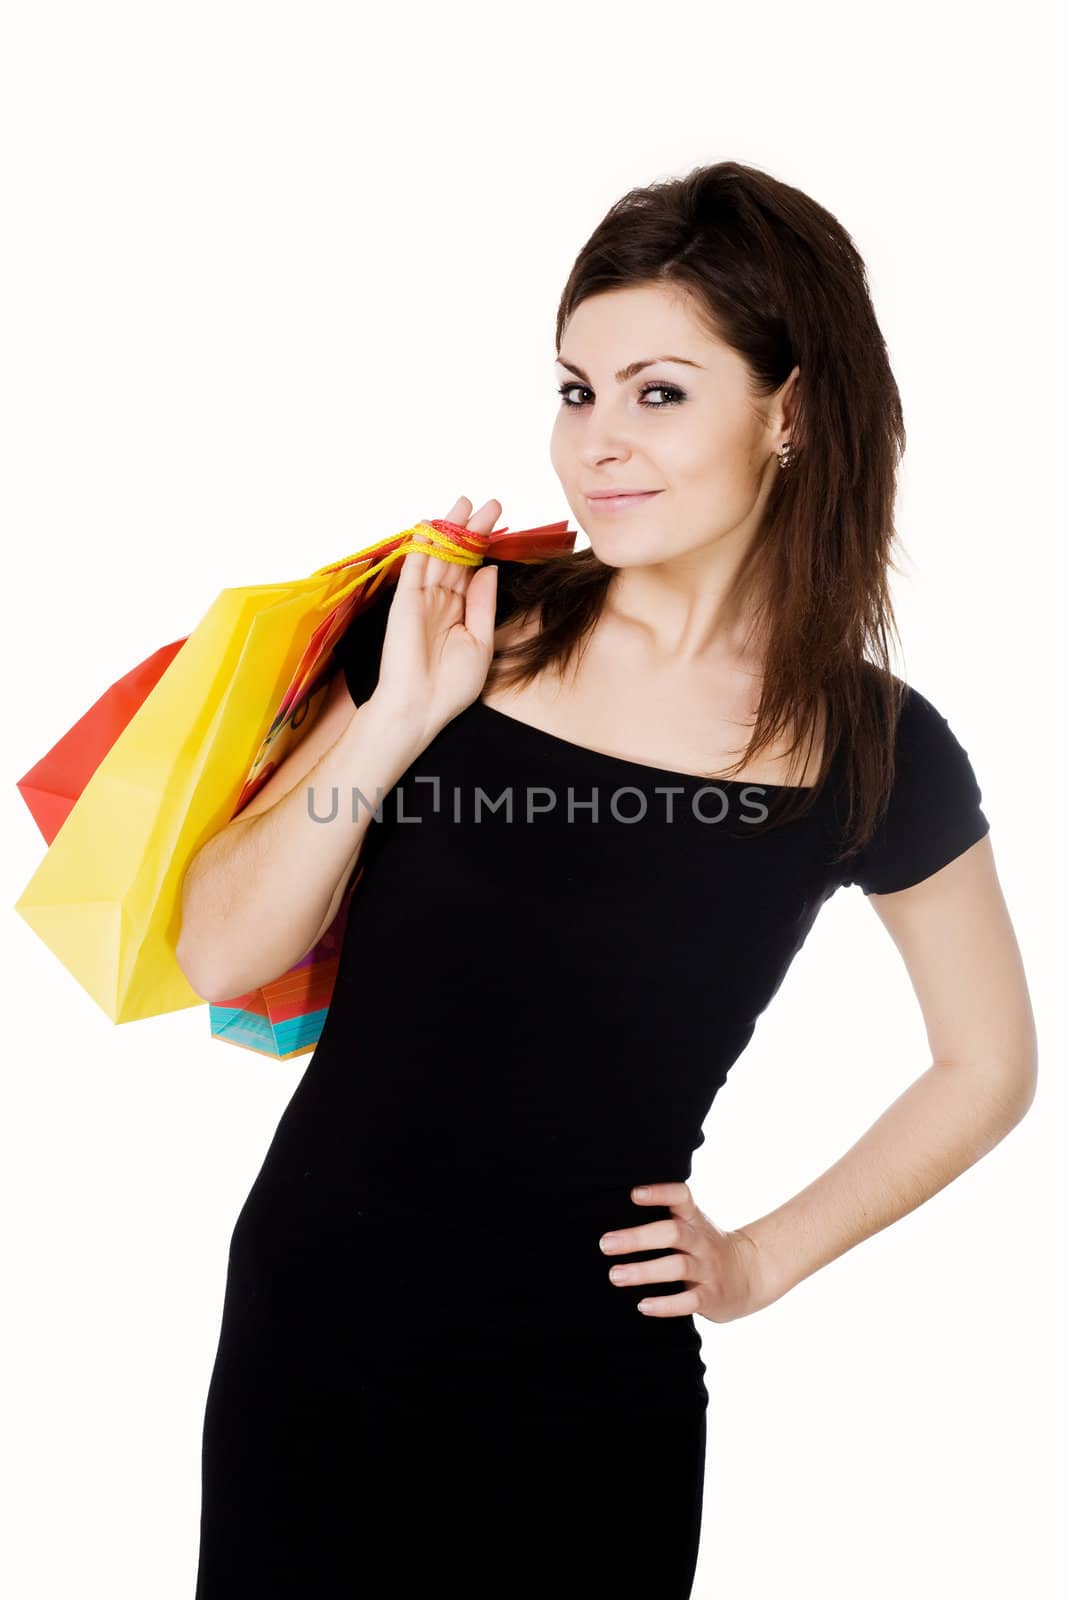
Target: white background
{"type": "Point", "coordinates": [278, 279]}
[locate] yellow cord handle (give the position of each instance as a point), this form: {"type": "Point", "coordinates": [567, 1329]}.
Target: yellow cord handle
{"type": "Point", "coordinates": [441, 545]}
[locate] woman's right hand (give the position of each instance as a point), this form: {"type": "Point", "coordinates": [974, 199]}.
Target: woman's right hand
{"type": "Point", "coordinates": [438, 643]}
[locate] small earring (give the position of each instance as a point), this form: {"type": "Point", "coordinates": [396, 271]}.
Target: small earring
{"type": "Point", "coordinates": [784, 454]}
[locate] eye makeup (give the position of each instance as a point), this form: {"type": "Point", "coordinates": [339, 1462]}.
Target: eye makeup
{"type": "Point", "coordinates": [677, 396]}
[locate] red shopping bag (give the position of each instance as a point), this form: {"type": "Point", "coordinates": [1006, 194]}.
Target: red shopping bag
{"type": "Point", "coordinates": [54, 783]}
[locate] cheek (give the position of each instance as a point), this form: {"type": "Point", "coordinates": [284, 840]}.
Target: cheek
{"type": "Point", "coordinates": [714, 488]}
{"type": "Point", "coordinates": [719, 463]}
{"type": "Point", "coordinates": [557, 443]}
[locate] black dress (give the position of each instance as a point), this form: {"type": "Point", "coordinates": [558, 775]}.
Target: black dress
{"type": "Point", "coordinates": [424, 1377]}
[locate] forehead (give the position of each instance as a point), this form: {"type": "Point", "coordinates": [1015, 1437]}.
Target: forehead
{"type": "Point", "coordinates": [610, 330]}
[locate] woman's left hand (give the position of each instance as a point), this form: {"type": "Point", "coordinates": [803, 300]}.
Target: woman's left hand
{"type": "Point", "coordinates": [721, 1271]}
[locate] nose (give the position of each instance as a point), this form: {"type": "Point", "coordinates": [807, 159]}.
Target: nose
{"type": "Point", "coordinates": [604, 443]}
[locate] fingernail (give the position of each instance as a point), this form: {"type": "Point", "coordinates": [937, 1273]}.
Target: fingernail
{"type": "Point", "coordinates": [608, 1242]}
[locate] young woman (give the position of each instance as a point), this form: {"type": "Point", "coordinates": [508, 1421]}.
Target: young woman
{"type": "Point", "coordinates": [613, 792]}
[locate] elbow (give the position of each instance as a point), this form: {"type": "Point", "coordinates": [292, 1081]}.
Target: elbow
{"type": "Point", "coordinates": [1014, 1085]}
{"type": "Point", "coordinates": [218, 981]}
{"type": "Point", "coordinates": [200, 965]}
{"type": "Point", "coordinates": [198, 973]}
{"type": "Point", "coordinates": [1027, 1082]}
{"type": "Point", "coordinates": [1023, 1078]}
{"type": "Point", "coordinates": [196, 951]}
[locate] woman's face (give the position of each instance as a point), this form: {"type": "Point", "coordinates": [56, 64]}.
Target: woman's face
{"type": "Point", "coordinates": [693, 432]}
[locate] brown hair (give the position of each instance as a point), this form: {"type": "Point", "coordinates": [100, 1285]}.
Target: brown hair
{"type": "Point", "coordinates": [781, 282]}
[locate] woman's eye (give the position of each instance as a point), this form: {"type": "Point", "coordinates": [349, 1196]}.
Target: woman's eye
{"type": "Point", "coordinates": [674, 396]}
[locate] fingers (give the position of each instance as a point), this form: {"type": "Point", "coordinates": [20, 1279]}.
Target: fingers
{"type": "Point", "coordinates": [416, 570]}
{"type": "Point", "coordinates": [676, 1268]}
{"type": "Point", "coordinates": [665, 1269]}
{"type": "Point", "coordinates": [682, 1304]}
{"type": "Point", "coordinates": [412, 573]}
{"type": "Point", "coordinates": [480, 618]}
{"type": "Point", "coordinates": [649, 1236]}
{"type": "Point", "coordinates": [483, 519]}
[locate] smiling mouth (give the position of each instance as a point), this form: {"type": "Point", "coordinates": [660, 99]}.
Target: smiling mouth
{"type": "Point", "coordinates": [620, 501]}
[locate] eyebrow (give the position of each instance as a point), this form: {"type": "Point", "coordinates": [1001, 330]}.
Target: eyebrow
{"type": "Point", "coordinates": [626, 373]}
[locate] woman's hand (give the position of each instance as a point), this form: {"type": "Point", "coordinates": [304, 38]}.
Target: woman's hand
{"type": "Point", "coordinates": [721, 1271]}
{"type": "Point", "coordinates": [438, 644]}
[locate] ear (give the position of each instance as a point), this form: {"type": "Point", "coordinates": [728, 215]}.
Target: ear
{"type": "Point", "coordinates": [790, 411]}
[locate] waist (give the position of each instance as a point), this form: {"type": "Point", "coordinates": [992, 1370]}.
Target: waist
{"type": "Point", "coordinates": [510, 1265]}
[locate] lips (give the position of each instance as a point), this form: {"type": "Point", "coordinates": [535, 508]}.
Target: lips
{"type": "Point", "coordinates": [623, 501]}
{"type": "Point", "coordinates": [618, 494]}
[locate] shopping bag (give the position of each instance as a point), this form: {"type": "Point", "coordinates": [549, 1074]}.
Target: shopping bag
{"type": "Point", "coordinates": [235, 696]}
{"type": "Point", "coordinates": [52, 784]}
{"type": "Point", "coordinates": [285, 1018]}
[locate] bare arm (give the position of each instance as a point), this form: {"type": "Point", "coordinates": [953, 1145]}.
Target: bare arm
{"type": "Point", "coordinates": [956, 939]}
{"type": "Point", "coordinates": [262, 891]}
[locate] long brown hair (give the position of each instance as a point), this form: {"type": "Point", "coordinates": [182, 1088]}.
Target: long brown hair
{"type": "Point", "coordinates": [782, 283]}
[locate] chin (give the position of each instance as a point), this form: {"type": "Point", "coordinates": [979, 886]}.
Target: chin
{"type": "Point", "coordinates": [629, 549]}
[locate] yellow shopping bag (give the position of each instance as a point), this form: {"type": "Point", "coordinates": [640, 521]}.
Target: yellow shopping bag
{"type": "Point", "coordinates": [245, 686]}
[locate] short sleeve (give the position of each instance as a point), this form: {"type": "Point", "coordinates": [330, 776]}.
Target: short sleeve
{"type": "Point", "coordinates": [359, 649]}
{"type": "Point", "coordinates": [934, 812]}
